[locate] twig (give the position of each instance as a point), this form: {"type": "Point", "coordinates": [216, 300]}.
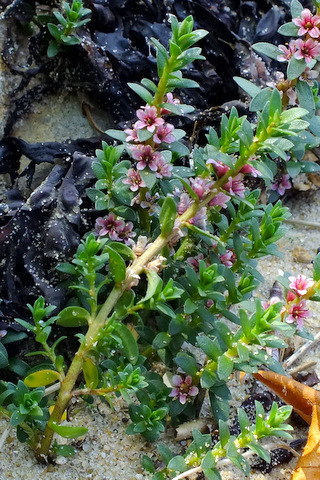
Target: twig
{"type": "Point", "coordinates": [4, 436]}
{"type": "Point", "coordinates": [301, 351]}
{"type": "Point", "coordinates": [226, 461]}
{"type": "Point", "coordinates": [52, 388]}
{"type": "Point", "coordinates": [187, 473]}
{"type": "Point", "coordinates": [296, 221]}
{"type": "Point", "coordinates": [302, 367]}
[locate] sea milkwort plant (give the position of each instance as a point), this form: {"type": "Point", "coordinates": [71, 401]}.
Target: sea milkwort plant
{"type": "Point", "coordinates": [174, 248]}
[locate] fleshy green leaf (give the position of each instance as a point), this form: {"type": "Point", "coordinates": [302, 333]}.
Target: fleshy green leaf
{"type": "Point", "coordinates": [289, 29]}
{"type": "Point", "coordinates": [249, 87]}
{"type": "Point", "coordinates": [296, 68]}
{"type": "Point", "coordinates": [90, 372]}
{"type": "Point", "coordinates": [129, 343]}
{"type": "Point", "coordinates": [3, 356]}
{"type": "Point", "coordinates": [142, 92]}
{"type": "Point", "coordinates": [117, 266]}
{"type": "Point", "coordinates": [167, 216]}
{"type": "Point", "coordinates": [42, 378]}
{"type": "Point", "coordinates": [267, 49]}
{"type": "Point", "coordinates": [73, 317]}
{"type": "Point", "coordinates": [296, 8]}
{"type": "Point", "coordinates": [68, 431]}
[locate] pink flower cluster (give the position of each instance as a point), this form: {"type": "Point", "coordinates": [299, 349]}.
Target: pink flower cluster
{"type": "Point", "coordinates": [297, 311]}
{"type": "Point", "coordinates": [234, 185]}
{"type": "Point", "coordinates": [307, 48]}
{"type": "Point", "coordinates": [145, 153]}
{"type": "Point", "coordinates": [281, 184]}
{"type": "Point", "coordinates": [115, 228]}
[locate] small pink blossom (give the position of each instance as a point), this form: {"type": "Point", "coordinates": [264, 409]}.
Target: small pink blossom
{"type": "Point", "coordinates": [235, 186]}
{"type": "Point", "coordinates": [194, 261]}
{"type": "Point", "coordinates": [219, 200]}
{"type": "Point", "coordinates": [307, 23]}
{"type": "Point", "coordinates": [300, 284]}
{"type": "Point", "coordinates": [287, 52]}
{"type": "Point", "coordinates": [297, 313]}
{"type": "Point", "coordinates": [146, 157]}
{"type": "Point", "coordinates": [201, 186]}
{"type": "Point", "coordinates": [183, 389]}
{"type": "Point", "coordinates": [219, 167]}
{"type": "Point", "coordinates": [148, 118]}
{"type": "Point", "coordinates": [271, 301]}
{"type": "Point", "coordinates": [134, 180]}
{"type": "Point", "coordinates": [290, 296]}
{"type": "Point", "coordinates": [150, 203]}
{"type": "Point", "coordinates": [200, 219]}
{"type": "Point", "coordinates": [164, 134]}
{"type": "Point", "coordinates": [308, 49]}
{"type": "Point", "coordinates": [281, 184]}
{"type": "Point", "coordinates": [132, 135]}
{"type": "Point", "coordinates": [169, 99]}
{"type": "Point", "coordinates": [228, 258]}
{"type": "Point", "coordinates": [308, 76]}
{"type": "Point", "coordinates": [184, 203]}
{"type": "Point", "coordinates": [292, 95]}
{"type": "Point", "coordinates": [115, 228]}
{"type": "Point", "coordinates": [109, 223]}
{"type": "Point", "coordinates": [164, 169]}
{"type": "Point", "coordinates": [249, 169]}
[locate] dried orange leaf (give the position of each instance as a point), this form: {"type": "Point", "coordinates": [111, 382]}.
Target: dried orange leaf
{"type": "Point", "coordinates": [308, 466]}
{"type": "Point", "coordinates": [300, 396]}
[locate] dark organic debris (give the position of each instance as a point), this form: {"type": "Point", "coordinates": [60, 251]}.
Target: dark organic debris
{"type": "Point", "coordinates": [279, 456]}
{"type": "Point", "coordinates": [40, 232]}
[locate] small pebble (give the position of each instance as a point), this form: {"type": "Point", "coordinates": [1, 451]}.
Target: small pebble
{"type": "Point", "coordinates": [301, 255]}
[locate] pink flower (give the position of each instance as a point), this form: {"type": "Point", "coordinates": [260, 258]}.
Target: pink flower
{"type": "Point", "coordinates": [183, 389]}
{"type": "Point", "coordinates": [307, 23]}
{"type": "Point", "coordinates": [194, 261]}
{"type": "Point", "coordinates": [290, 296]}
{"type": "Point", "coordinates": [271, 301]}
{"type": "Point", "coordinates": [297, 313]}
{"type": "Point", "coordinates": [115, 229]}
{"type": "Point", "coordinates": [287, 52]}
{"type": "Point", "coordinates": [219, 200]}
{"type": "Point", "coordinates": [132, 135]}
{"type": "Point", "coordinates": [108, 224]}
{"type": "Point", "coordinates": [300, 284]}
{"type": "Point", "coordinates": [164, 134]}
{"type": "Point", "coordinates": [169, 99]}
{"type": "Point", "coordinates": [164, 168]}
{"type": "Point", "coordinates": [235, 186]}
{"type": "Point", "coordinates": [184, 203]}
{"type": "Point", "coordinates": [200, 218]}
{"type": "Point", "coordinates": [146, 157]}
{"type": "Point", "coordinates": [281, 185]}
{"type": "Point", "coordinates": [201, 186]}
{"type": "Point", "coordinates": [249, 169]}
{"type": "Point", "coordinates": [150, 202]}
{"type": "Point", "coordinates": [148, 118]}
{"type": "Point", "coordinates": [308, 49]}
{"type": "Point", "coordinates": [220, 168]}
{"type": "Point", "coordinates": [228, 258]}
{"type": "Point", "coordinates": [125, 234]}
{"type": "Point", "coordinates": [134, 180]}
{"type": "Point", "coordinates": [308, 76]}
